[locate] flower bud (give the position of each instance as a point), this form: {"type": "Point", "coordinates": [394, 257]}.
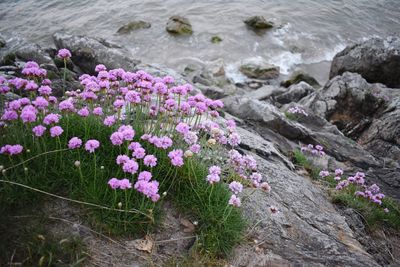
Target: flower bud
{"type": "Point", "coordinates": [211, 141]}
{"type": "Point", "coordinates": [164, 194]}
{"type": "Point", "coordinates": [188, 154]}
{"type": "Point", "coordinates": [77, 163]}
{"type": "Point", "coordinates": [119, 204]}
{"type": "Point", "coordinates": [3, 172]}
{"type": "Point", "coordinates": [101, 167]}
{"type": "Point", "coordinates": [25, 169]}
{"type": "Point", "coordinates": [1, 167]}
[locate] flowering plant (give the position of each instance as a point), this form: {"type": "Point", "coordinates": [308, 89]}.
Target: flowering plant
{"type": "Point", "coordinates": [125, 140]}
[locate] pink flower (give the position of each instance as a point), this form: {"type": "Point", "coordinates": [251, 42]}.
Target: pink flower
{"type": "Point", "coordinates": [139, 153]}
{"type": "Point", "coordinates": [213, 178]}
{"type": "Point", "coordinates": [236, 187]}
{"type": "Point", "coordinates": [113, 183]}
{"type": "Point", "coordinates": [176, 157]}
{"type": "Point", "coordinates": [324, 173]}
{"type": "Point", "coordinates": [11, 149]}
{"type": "Point", "coordinates": [338, 172]}
{"type": "Point", "coordinates": [132, 97]}
{"type": "Point", "coordinates": [234, 139]}
{"type": "Point", "coordinates": [109, 121]}
{"type": "Point", "coordinates": [130, 166]}
{"type": "Point", "coordinates": [150, 161]}
{"type": "Point", "coordinates": [265, 186]}
{"type": "Point", "coordinates": [235, 201]}
{"type": "Point", "coordinates": [145, 176]}
{"type": "Point", "coordinates": [56, 131]}
{"type": "Point", "coordinates": [84, 112]}
{"type": "Point", "coordinates": [182, 128]}
{"type": "Point", "coordinates": [51, 118]}
{"type": "Point", "coordinates": [195, 148]}
{"type": "Point", "coordinates": [92, 145]}
{"type": "Point", "coordinates": [39, 130]}
{"type": "Point", "coordinates": [98, 111]}
{"type": "Point", "coordinates": [66, 105]}
{"type": "Point", "coordinates": [9, 115]}
{"type": "Point", "coordinates": [190, 137]}
{"type": "Point", "coordinates": [100, 67]}
{"type": "Point", "coordinates": [127, 132]}
{"type": "Point", "coordinates": [74, 143]}
{"type": "Point", "coordinates": [117, 138]}
{"type": "Point", "coordinates": [45, 90]}
{"type": "Point", "coordinates": [214, 170]}
{"type": "Point", "coordinates": [124, 184]}
{"type": "Point", "coordinates": [64, 53]}
{"type": "Point", "coordinates": [121, 159]}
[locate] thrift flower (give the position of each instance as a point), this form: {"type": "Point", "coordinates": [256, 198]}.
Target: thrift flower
{"type": "Point", "coordinates": [236, 187]}
{"type": "Point", "coordinates": [150, 161]}
{"type": "Point", "coordinates": [64, 53]}
{"type": "Point", "coordinates": [74, 143]}
{"type": "Point", "coordinates": [56, 131]}
{"type": "Point", "coordinates": [38, 130]}
{"type": "Point", "coordinates": [235, 201]}
{"type": "Point", "coordinates": [92, 145]}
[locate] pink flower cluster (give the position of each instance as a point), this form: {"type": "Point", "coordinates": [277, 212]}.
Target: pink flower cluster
{"type": "Point", "coordinates": [297, 110]}
{"type": "Point", "coordinates": [147, 187]}
{"type": "Point", "coordinates": [11, 149]}
{"type": "Point", "coordinates": [371, 193]}
{"type": "Point", "coordinates": [123, 184]}
{"type": "Point", "coordinates": [316, 150]}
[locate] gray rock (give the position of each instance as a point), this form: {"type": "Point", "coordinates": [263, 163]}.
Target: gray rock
{"type": "Point", "coordinates": [2, 42]}
{"type": "Point", "coordinates": [377, 60]}
{"type": "Point", "coordinates": [258, 22]}
{"type": "Point", "coordinates": [298, 77]}
{"type": "Point", "coordinates": [212, 91]}
{"type": "Point", "coordinates": [88, 52]}
{"type": "Point", "coordinates": [383, 135]}
{"type": "Point", "coordinates": [20, 49]}
{"type": "Point", "coordinates": [295, 92]}
{"type": "Point", "coordinates": [259, 70]}
{"type": "Point", "coordinates": [179, 25]}
{"type": "Point", "coordinates": [133, 26]}
{"type": "Point", "coordinates": [306, 224]}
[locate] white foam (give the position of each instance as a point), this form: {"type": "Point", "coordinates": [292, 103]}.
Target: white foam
{"type": "Point", "coordinates": [232, 72]}
{"type": "Point", "coordinates": [286, 60]}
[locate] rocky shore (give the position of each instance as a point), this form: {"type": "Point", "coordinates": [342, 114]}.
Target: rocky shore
{"type": "Point", "coordinates": [355, 116]}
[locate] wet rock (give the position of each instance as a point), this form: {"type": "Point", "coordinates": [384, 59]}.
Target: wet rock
{"type": "Point", "coordinates": [258, 22]}
{"type": "Point", "coordinates": [377, 60]}
{"type": "Point", "coordinates": [179, 25]}
{"type": "Point", "coordinates": [88, 52]}
{"type": "Point", "coordinates": [133, 26]}
{"type": "Point", "coordinates": [216, 39]}
{"type": "Point", "coordinates": [294, 93]}
{"type": "Point", "coordinates": [20, 49]}
{"type": "Point", "coordinates": [299, 77]}
{"type": "Point", "coordinates": [259, 69]}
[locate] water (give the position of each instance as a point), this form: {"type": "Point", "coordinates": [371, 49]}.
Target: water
{"type": "Point", "coordinates": [308, 33]}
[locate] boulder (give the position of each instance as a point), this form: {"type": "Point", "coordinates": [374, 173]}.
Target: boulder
{"type": "Point", "coordinates": [258, 23]}
{"type": "Point", "coordinates": [383, 135]}
{"type": "Point", "coordinates": [259, 69]}
{"type": "Point", "coordinates": [133, 26]}
{"type": "Point", "coordinates": [349, 102]}
{"type": "Point", "coordinates": [298, 77]}
{"type": "Point", "coordinates": [18, 48]}
{"type": "Point", "coordinates": [88, 52]}
{"type": "Point", "coordinates": [377, 60]}
{"type": "Point", "coordinates": [295, 92]}
{"type": "Point", "coordinates": [179, 25]}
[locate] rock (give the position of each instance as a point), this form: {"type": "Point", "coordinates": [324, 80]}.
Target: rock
{"type": "Point", "coordinates": [259, 69]}
{"type": "Point", "coordinates": [299, 77]}
{"type": "Point", "coordinates": [383, 135]}
{"type": "Point", "coordinates": [294, 93]}
{"type": "Point", "coordinates": [216, 39]}
{"type": "Point", "coordinates": [2, 42]}
{"type": "Point", "coordinates": [306, 224]}
{"type": "Point", "coordinates": [212, 91]}
{"type": "Point", "coordinates": [133, 26]}
{"type": "Point", "coordinates": [20, 49]}
{"type": "Point", "coordinates": [88, 52]}
{"type": "Point", "coordinates": [377, 60]}
{"type": "Point", "coordinates": [179, 25]}
{"type": "Point", "coordinates": [258, 22]}
{"type": "Point", "coordinates": [349, 102]}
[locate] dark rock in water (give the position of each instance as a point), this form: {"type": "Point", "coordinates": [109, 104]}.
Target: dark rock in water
{"type": "Point", "coordinates": [133, 26]}
{"type": "Point", "coordinates": [295, 92]}
{"type": "Point", "coordinates": [88, 52]}
{"type": "Point", "coordinates": [377, 60]}
{"type": "Point", "coordinates": [216, 39]}
{"type": "Point", "coordinates": [258, 23]}
{"type": "Point", "coordinates": [299, 77]}
{"type": "Point", "coordinates": [179, 25]}
{"type": "Point", "coordinates": [259, 70]}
